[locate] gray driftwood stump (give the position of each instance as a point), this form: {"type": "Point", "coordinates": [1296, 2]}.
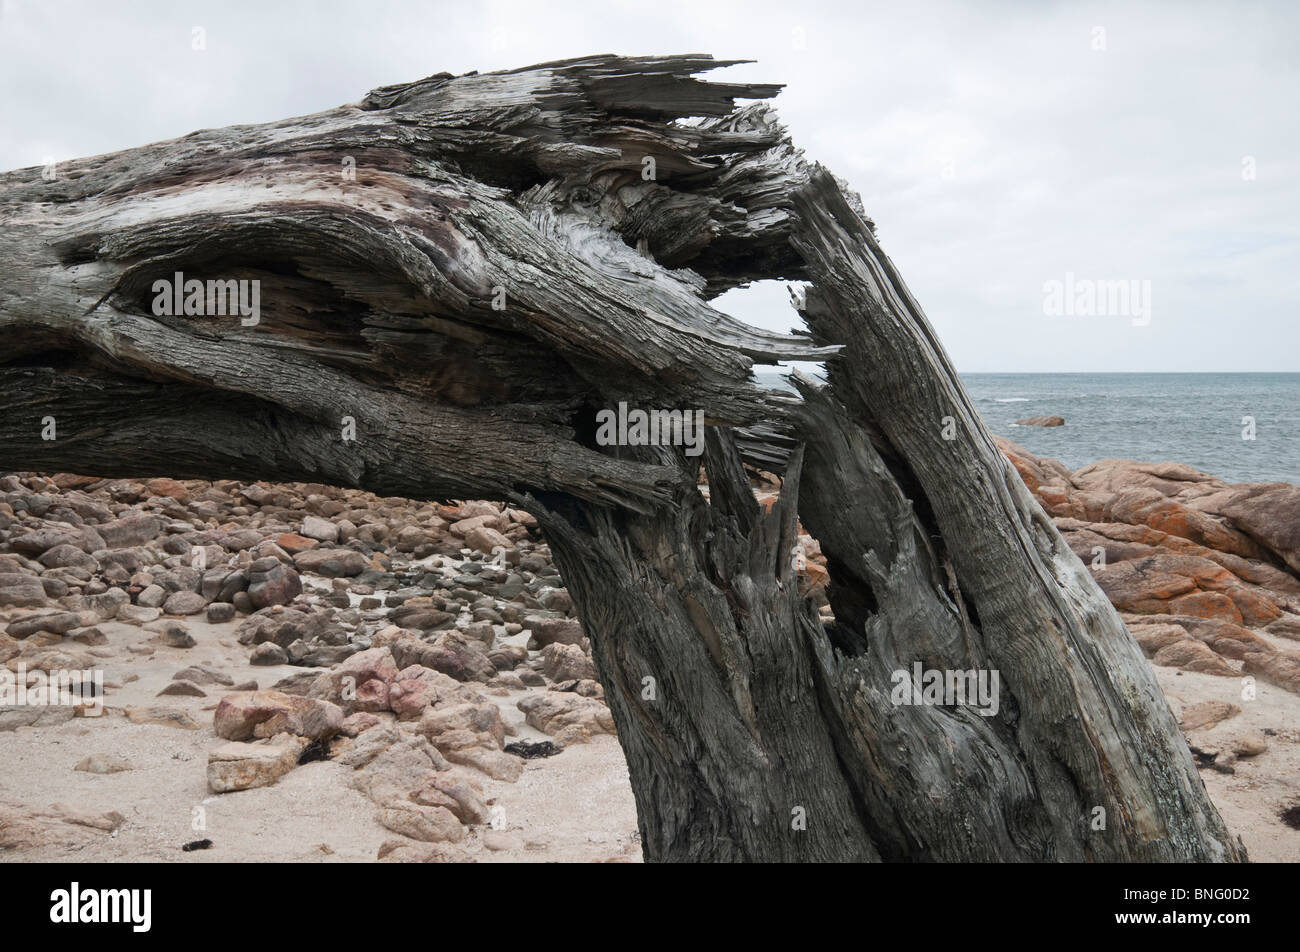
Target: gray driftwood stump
{"type": "Point", "coordinates": [470, 268]}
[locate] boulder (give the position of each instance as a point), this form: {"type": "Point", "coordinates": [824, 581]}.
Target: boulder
{"type": "Point", "coordinates": [134, 529]}
{"type": "Point", "coordinates": [1192, 655]}
{"type": "Point", "coordinates": [553, 712]}
{"type": "Point", "coordinates": [565, 662]}
{"type": "Point", "coordinates": [1268, 513]}
{"type": "Point", "coordinates": [332, 563]}
{"type": "Point", "coordinates": [274, 584]}
{"type": "Point", "coordinates": [22, 591]}
{"type": "Point", "coordinates": [184, 603]}
{"type": "Point", "coordinates": [1206, 714]}
{"type": "Point", "coordinates": [547, 631]}
{"type": "Point", "coordinates": [322, 530]}
{"type": "Point", "coordinates": [242, 766]}
{"type": "Point", "coordinates": [426, 824]}
{"type": "Point", "coordinates": [483, 539]}
{"type": "Point", "coordinates": [263, 714]}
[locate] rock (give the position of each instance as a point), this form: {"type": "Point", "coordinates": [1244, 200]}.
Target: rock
{"type": "Point", "coordinates": [1151, 638]}
{"type": "Point", "coordinates": [274, 584]}
{"type": "Point", "coordinates": [219, 612]}
{"type": "Point", "coordinates": [1268, 513]}
{"type": "Point", "coordinates": [419, 616]}
{"type": "Point", "coordinates": [532, 679]}
{"type": "Point", "coordinates": [1248, 744]}
{"type": "Point", "coordinates": [40, 541]}
{"type": "Point", "coordinates": [12, 718]}
{"type": "Point", "coordinates": [368, 745]}
{"type": "Point", "coordinates": [1040, 421]}
{"type": "Point", "coordinates": [63, 556]}
{"type": "Point", "coordinates": [104, 605]}
{"type": "Point", "coordinates": [332, 563]}
{"type": "Point", "coordinates": [169, 488]}
{"type": "Point", "coordinates": [183, 603]}
{"type": "Point", "coordinates": [322, 530]}
{"type": "Point", "coordinates": [199, 674]}
{"type": "Point", "coordinates": [507, 657]}
{"type": "Point", "coordinates": [1206, 714]}
{"type": "Point", "coordinates": [449, 726]}
{"type": "Point", "coordinates": [410, 538]}
{"type": "Point", "coordinates": [1193, 655]}
{"type": "Point", "coordinates": [161, 716]}
{"type": "Point", "coordinates": [268, 653]}
{"type": "Point", "coordinates": [553, 711]}
{"type": "Point", "coordinates": [392, 775]}
{"type": "Point", "coordinates": [233, 584]}
{"type": "Point", "coordinates": [137, 614]}
{"type": "Point", "coordinates": [565, 662]}
{"type": "Point", "coordinates": [22, 591]}
{"type": "Point", "coordinates": [1274, 667]}
{"type": "Point", "coordinates": [23, 828]}
{"type": "Point", "coordinates": [285, 626]}
{"type": "Point", "coordinates": [182, 688]}
{"type": "Point", "coordinates": [293, 544]}
{"type": "Point", "coordinates": [426, 824]}
{"type": "Point", "coordinates": [455, 792]}
{"type": "Point", "coordinates": [88, 636]}
{"type": "Point", "coordinates": [548, 631]}
{"type": "Point", "coordinates": [483, 539]}
{"type": "Point", "coordinates": [241, 766]}
{"type": "Point", "coordinates": [500, 841]}
{"type": "Point", "coordinates": [358, 723]}
{"type": "Point", "coordinates": [452, 654]}
{"type": "Point", "coordinates": [266, 713]}
{"type": "Point", "coordinates": [584, 687]}
{"type": "Point", "coordinates": [130, 530]}
{"type": "Point", "coordinates": [462, 527]}
{"type": "Point", "coordinates": [174, 634]}
{"type": "Point", "coordinates": [56, 622]}
{"type": "Point", "coordinates": [104, 764]}
{"type": "Point", "coordinates": [402, 850]}
{"type": "Point", "coordinates": [497, 764]}
{"type": "Point", "coordinates": [373, 663]}
{"type": "Point", "coordinates": [1171, 479]}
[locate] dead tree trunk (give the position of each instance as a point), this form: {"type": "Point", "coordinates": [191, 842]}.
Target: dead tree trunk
{"type": "Point", "coordinates": [461, 272]}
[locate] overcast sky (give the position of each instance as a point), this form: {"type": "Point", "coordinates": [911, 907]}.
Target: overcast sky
{"type": "Point", "coordinates": [997, 145]}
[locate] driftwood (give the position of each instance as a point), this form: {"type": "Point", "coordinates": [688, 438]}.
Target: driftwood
{"type": "Point", "coordinates": [456, 275]}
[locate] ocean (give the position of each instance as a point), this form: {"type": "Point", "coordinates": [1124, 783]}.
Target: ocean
{"type": "Point", "coordinates": [1183, 418]}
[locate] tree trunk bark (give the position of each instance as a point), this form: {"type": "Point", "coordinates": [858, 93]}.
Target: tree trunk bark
{"type": "Point", "coordinates": [455, 275]}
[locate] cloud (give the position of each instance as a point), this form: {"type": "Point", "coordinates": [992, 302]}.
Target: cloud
{"type": "Point", "coordinates": [995, 146]}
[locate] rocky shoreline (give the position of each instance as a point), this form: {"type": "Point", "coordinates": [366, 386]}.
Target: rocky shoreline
{"type": "Point", "coordinates": [1203, 572]}
{"type": "Point", "coordinates": [392, 632]}
{"type": "Point", "coordinates": [419, 666]}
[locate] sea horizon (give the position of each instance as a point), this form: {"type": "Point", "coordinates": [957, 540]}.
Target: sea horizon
{"type": "Point", "coordinates": [1240, 426]}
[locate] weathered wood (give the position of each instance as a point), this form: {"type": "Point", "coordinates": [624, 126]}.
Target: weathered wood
{"type": "Point", "coordinates": [1085, 711]}
{"type": "Point", "coordinates": [467, 269]}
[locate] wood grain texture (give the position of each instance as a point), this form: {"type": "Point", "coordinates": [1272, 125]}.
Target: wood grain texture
{"type": "Point", "coordinates": [468, 268]}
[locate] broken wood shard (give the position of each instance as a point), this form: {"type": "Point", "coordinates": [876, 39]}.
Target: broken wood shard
{"type": "Point", "coordinates": [456, 276]}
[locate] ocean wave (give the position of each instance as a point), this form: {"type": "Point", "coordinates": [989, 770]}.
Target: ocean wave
{"type": "Point", "coordinates": [1010, 399]}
